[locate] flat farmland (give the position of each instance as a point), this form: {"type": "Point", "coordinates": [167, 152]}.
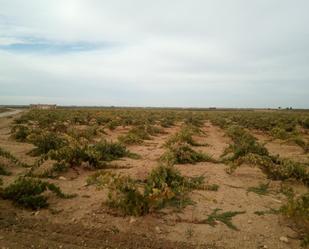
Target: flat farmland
{"type": "Point", "coordinates": [154, 178]}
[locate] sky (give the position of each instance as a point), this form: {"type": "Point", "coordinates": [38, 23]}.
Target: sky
{"type": "Point", "coordinates": [177, 53]}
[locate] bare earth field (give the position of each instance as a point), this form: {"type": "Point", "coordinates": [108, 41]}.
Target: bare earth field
{"type": "Point", "coordinates": [86, 222]}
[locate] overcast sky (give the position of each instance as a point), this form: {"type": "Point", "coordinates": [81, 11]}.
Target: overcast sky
{"type": "Point", "coordinates": [197, 53]}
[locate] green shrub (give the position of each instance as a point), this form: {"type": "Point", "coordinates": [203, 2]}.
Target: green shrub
{"type": "Point", "coordinates": [109, 151]}
{"type": "Point", "coordinates": [225, 218]}
{"type": "Point", "coordinates": [137, 134]}
{"type": "Point", "coordinates": [11, 158]}
{"type": "Point", "coordinates": [75, 154]}
{"type": "Point", "coordinates": [279, 133]}
{"type": "Point", "coordinates": [297, 209]}
{"type": "Point", "coordinates": [125, 195]}
{"type": "Point", "coordinates": [164, 186]}
{"type": "Point", "coordinates": [243, 143]}
{"type": "Point", "coordinates": [113, 124]}
{"type": "Point", "coordinates": [27, 192]}
{"type": "Point", "coordinates": [130, 138]}
{"type": "Point", "coordinates": [183, 136]}
{"type": "Point", "coordinates": [167, 122]}
{"type": "Point", "coordinates": [276, 168]}
{"type": "Point", "coordinates": [79, 134]}
{"type": "Point", "coordinates": [20, 133]}
{"type": "Point", "coordinates": [46, 142]}
{"type": "Point", "coordinates": [262, 189]}
{"type": "Point", "coordinates": [182, 153]}
{"type": "Point", "coordinates": [4, 171]}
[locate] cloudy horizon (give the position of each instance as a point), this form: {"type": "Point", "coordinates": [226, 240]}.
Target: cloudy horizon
{"type": "Point", "coordinates": [197, 53]}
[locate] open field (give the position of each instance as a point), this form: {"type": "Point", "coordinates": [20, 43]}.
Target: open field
{"type": "Point", "coordinates": [148, 178]}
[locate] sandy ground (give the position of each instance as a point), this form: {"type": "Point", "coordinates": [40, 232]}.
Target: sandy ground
{"type": "Point", "coordinates": [85, 222]}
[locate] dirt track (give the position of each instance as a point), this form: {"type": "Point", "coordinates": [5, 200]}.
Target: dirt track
{"type": "Point", "coordinates": [10, 113]}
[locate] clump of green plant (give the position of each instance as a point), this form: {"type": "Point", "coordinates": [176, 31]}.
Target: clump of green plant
{"type": "Point", "coordinates": [262, 189]}
{"type": "Point", "coordinates": [27, 192]}
{"type": "Point", "coordinates": [130, 138]}
{"type": "Point", "coordinates": [113, 124]}
{"type": "Point", "coordinates": [4, 171]}
{"type": "Point", "coordinates": [45, 142]}
{"type": "Point", "coordinates": [185, 135]}
{"type": "Point", "coordinates": [20, 132]}
{"type": "Point", "coordinates": [167, 121]}
{"type": "Point", "coordinates": [225, 217]}
{"type": "Point", "coordinates": [88, 133]}
{"type": "Point", "coordinates": [280, 133]}
{"type": "Point", "coordinates": [101, 178]}
{"type": "Point", "coordinates": [125, 195]}
{"type": "Point", "coordinates": [182, 153]}
{"type": "Point", "coordinates": [74, 154]}
{"type": "Point", "coordinates": [164, 186]}
{"type": "Point", "coordinates": [243, 144]}
{"type": "Point", "coordinates": [275, 168]}
{"type": "Point", "coordinates": [301, 142]}
{"type": "Point", "coordinates": [11, 158]}
{"type": "Point", "coordinates": [194, 119]}
{"type": "Point", "coordinates": [297, 209]}
{"type": "Point", "coordinates": [109, 151]}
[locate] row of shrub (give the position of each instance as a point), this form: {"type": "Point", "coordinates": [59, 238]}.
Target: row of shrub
{"type": "Point", "coordinates": [288, 126]}
{"type": "Point", "coordinates": [164, 186]}
{"type": "Point", "coordinates": [246, 149]}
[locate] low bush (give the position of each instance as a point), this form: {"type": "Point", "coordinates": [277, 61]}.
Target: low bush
{"type": "Point", "coordinates": [137, 134]}
{"type": "Point", "coordinates": [185, 135]}
{"type": "Point", "coordinates": [243, 143]}
{"type": "Point", "coordinates": [164, 186]}
{"type": "Point", "coordinates": [276, 168]}
{"type": "Point", "coordinates": [130, 138]}
{"type": "Point", "coordinates": [11, 158]}
{"type": "Point", "coordinates": [297, 209]}
{"type": "Point", "coordinates": [20, 132]}
{"type": "Point", "coordinates": [225, 218]}
{"type": "Point", "coordinates": [4, 171]}
{"type": "Point", "coordinates": [182, 153]}
{"type": "Point", "coordinates": [46, 142]}
{"type": "Point", "coordinates": [27, 192]}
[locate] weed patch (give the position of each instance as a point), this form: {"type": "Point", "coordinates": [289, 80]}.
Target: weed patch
{"type": "Point", "coordinates": [27, 192]}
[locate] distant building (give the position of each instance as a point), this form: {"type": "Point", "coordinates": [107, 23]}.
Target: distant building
{"type": "Point", "coordinates": [43, 107]}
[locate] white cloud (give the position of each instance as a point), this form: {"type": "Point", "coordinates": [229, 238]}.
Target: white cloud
{"type": "Point", "coordinates": [199, 53]}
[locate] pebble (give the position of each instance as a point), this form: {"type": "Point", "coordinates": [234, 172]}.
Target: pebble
{"type": "Point", "coordinates": [249, 221]}
{"type": "Point", "coordinates": [62, 178]}
{"type": "Point", "coordinates": [158, 230]}
{"type": "Point", "coordinates": [132, 220]}
{"type": "Point", "coordinates": [1, 237]}
{"type": "Point", "coordinates": [284, 239]}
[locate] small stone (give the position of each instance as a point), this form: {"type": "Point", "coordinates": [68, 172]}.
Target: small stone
{"type": "Point", "coordinates": [249, 221]}
{"type": "Point", "coordinates": [158, 230]}
{"type": "Point", "coordinates": [265, 246]}
{"type": "Point", "coordinates": [132, 220]}
{"type": "Point", "coordinates": [1, 237]}
{"type": "Point", "coordinates": [61, 246]}
{"type": "Point", "coordinates": [284, 239]}
{"type": "Point", "coordinates": [62, 178]}
{"type": "Point", "coordinates": [36, 213]}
